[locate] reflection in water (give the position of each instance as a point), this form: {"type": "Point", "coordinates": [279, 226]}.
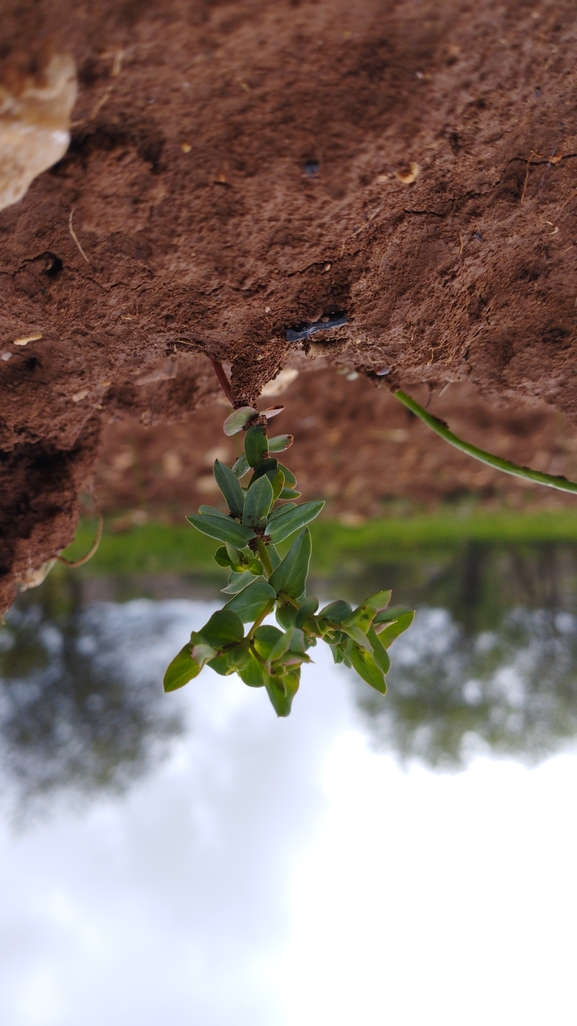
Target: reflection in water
{"type": "Point", "coordinates": [494, 668]}
{"type": "Point", "coordinates": [72, 714]}
{"type": "Point", "coordinates": [491, 663]}
{"type": "Point", "coordinates": [254, 855]}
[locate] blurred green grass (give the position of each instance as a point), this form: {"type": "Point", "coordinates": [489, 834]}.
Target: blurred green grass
{"type": "Point", "coordinates": [167, 548]}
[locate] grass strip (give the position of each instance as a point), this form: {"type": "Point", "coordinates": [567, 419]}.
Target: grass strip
{"type": "Point", "coordinates": [165, 548]}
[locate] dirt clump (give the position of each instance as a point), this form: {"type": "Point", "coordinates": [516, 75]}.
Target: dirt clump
{"type": "Point", "coordinates": [241, 169]}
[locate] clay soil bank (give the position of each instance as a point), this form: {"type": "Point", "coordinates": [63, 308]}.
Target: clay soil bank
{"type": "Point", "coordinates": [240, 169]}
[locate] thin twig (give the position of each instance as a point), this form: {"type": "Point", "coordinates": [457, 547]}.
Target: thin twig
{"type": "Point", "coordinates": [73, 564]}
{"type": "Point", "coordinates": [525, 183]}
{"type": "Point", "coordinates": [75, 237]}
{"type": "Point", "coordinates": [441, 429]}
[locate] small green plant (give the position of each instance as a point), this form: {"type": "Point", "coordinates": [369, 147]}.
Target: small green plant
{"type": "Point", "coordinates": [262, 515]}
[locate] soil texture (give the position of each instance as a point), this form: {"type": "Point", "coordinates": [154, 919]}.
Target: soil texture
{"type": "Point", "coordinates": [240, 170]}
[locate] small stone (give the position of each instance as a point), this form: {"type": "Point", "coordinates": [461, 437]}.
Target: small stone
{"type": "Point", "coordinates": [408, 177]}
{"type": "Point", "coordinates": [34, 337]}
{"type": "Point", "coordinates": [34, 126]}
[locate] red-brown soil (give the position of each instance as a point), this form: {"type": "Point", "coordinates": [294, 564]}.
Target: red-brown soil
{"type": "Point", "coordinates": [240, 168]}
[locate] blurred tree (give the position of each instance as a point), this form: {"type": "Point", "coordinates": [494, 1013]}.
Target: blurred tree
{"type": "Point", "coordinates": [70, 717]}
{"type": "Point", "coordinates": [491, 664]}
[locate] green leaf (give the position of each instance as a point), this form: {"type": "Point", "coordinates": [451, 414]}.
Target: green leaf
{"type": "Point", "coordinates": [297, 642]}
{"type": "Point", "coordinates": [258, 502]}
{"type": "Point", "coordinates": [378, 602]}
{"type": "Point", "coordinates": [202, 651]}
{"type": "Point", "coordinates": [237, 581]}
{"type": "Point", "coordinates": [239, 657]}
{"type": "Point", "coordinates": [289, 649]}
{"type": "Point", "coordinates": [380, 654]}
{"type": "Point", "coordinates": [182, 669]}
{"type": "Point", "coordinates": [292, 520]}
{"type": "Point", "coordinates": [222, 557]}
{"type": "Point", "coordinates": [306, 609]}
{"type": "Point", "coordinates": [281, 693]}
{"type": "Point", "coordinates": [251, 602]}
{"type": "Point", "coordinates": [363, 662]}
{"type": "Point", "coordinates": [357, 634]}
{"type": "Point", "coordinates": [336, 611]}
{"type": "Point", "coordinates": [273, 555]}
{"type": "Point", "coordinates": [291, 574]}
{"type": "Point", "coordinates": [361, 617]}
{"type": "Point", "coordinates": [280, 647]}
{"type": "Point", "coordinates": [235, 555]}
{"type": "Point", "coordinates": [255, 444]}
{"type": "Point", "coordinates": [238, 419]}
{"type": "Point", "coordinates": [253, 674]}
{"type": "Point", "coordinates": [277, 482]}
{"type": "Point", "coordinates": [265, 638]}
{"type": "Point", "coordinates": [289, 476]}
{"type": "Point", "coordinates": [338, 654]}
{"type": "Point", "coordinates": [230, 488]}
{"type": "Point", "coordinates": [285, 614]}
{"type": "Point", "coordinates": [212, 511]}
{"type": "Point", "coordinates": [289, 493]}
{"type": "Point", "coordinates": [280, 443]}
{"type": "Point", "coordinates": [388, 634]}
{"type": "Point", "coordinates": [223, 628]}
{"type": "Point", "coordinates": [220, 665]}
{"type": "Point", "coordinates": [387, 615]}
{"type": "Point", "coordinates": [240, 466]}
{"type": "Point", "coordinates": [267, 466]}
{"type": "Point", "coordinates": [222, 528]}
{"type": "Point", "coordinates": [280, 509]}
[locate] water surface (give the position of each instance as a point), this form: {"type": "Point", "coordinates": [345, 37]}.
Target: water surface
{"type": "Point", "coordinates": [192, 859]}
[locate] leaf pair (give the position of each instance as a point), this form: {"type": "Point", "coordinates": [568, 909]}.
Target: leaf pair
{"type": "Point", "coordinates": [360, 637]}
{"type": "Point", "coordinates": [223, 630]}
{"type": "Point", "coordinates": [240, 418]}
{"type": "Point", "coordinates": [280, 656]}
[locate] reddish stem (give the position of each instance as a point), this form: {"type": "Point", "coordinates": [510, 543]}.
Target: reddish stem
{"type": "Point", "coordinates": [222, 379]}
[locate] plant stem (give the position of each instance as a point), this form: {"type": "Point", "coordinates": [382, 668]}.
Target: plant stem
{"type": "Point", "coordinates": [222, 379]}
{"type": "Point", "coordinates": [267, 609]}
{"type": "Point", "coordinates": [264, 557]}
{"type": "Point", "coordinates": [73, 564]}
{"type": "Point", "coordinates": [441, 429]}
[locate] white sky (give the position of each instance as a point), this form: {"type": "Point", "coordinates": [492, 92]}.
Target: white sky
{"type": "Point", "coordinates": [281, 873]}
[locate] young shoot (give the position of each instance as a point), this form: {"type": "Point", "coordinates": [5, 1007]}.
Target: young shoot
{"type": "Point", "coordinates": [260, 493]}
